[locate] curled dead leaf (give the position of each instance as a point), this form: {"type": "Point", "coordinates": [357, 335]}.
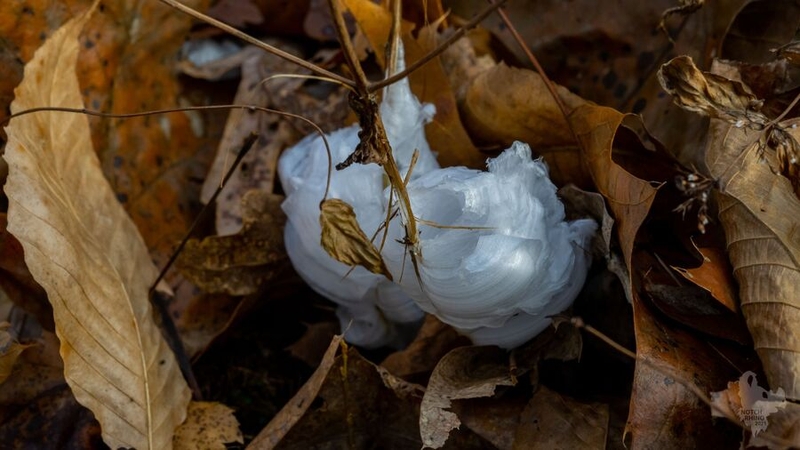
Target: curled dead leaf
{"type": "Point", "coordinates": [345, 241]}
{"type": "Point", "coordinates": [87, 253]}
{"type": "Point", "coordinates": [710, 94]}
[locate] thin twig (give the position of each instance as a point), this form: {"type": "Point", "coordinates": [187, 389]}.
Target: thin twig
{"type": "Point", "coordinates": [547, 82]}
{"type": "Point", "coordinates": [438, 50]}
{"type": "Point", "coordinates": [251, 40]}
{"type": "Point", "coordinates": [350, 56]}
{"type": "Point", "coordinates": [155, 112]}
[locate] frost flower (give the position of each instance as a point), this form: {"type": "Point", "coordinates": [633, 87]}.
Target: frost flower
{"type": "Point", "coordinates": [495, 256]}
{"type": "Point", "coordinates": [372, 309]}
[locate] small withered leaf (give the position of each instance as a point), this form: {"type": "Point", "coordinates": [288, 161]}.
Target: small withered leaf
{"type": "Point", "coordinates": [344, 239]}
{"type": "Point", "coordinates": [711, 94]}
{"type": "Point", "coordinates": [373, 146]}
{"type": "Point", "coordinates": [239, 264]}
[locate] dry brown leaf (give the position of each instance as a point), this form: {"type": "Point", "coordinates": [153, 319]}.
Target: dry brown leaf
{"type": "Point", "coordinates": [293, 411]}
{"type": "Point", "coordinates": [88, 255]}
{"type": "Point", "coordinates": [434, 340]}
{"type": "Point", "coordinates": [663, 412]}
{"type": "Point", "coordinates": [710, 94]}
{"type": "Point", "coordinates": [504, 104]}
{"type": "Point", "coordinates": [714, 275]}
{"type": "Point", "coordinates": [257, 169]}
{"type": "Point", "coordinates": [430, 84]}
{"type": "Point", "coordinates": [758, 210]}
{"type": "Point", "coordinates": [375, 21]}
{"type": "Point", "coordinates": [208, 426]}
{"type": "Point", "coordinates": [347, 403]}
{"type": "Point", "coordinates": [552, 420]}
{"type": "Point", "coordinates": [628, 197]}
{"type": "Point", "coordinates": [241, 263]}
{"type": "Point", "coordinates": [445, 133]}
{"type": "Point", "coordinates": [465, 372]}
{"type": "Point", "coordinates": [345, 241]}
{"type": "Point", "coordinates": [760, 27]}
{"type": "Point", "coordinates": [10, 350]}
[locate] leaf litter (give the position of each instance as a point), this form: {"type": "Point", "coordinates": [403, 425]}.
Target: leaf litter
{"type": "Point", "coordinates": [615, 157]}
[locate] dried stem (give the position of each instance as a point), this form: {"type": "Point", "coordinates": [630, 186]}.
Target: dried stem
{"type": "Point", "coordinates": [547, 82]}
{"type": "Point", "coordinates": [438, 50]}
{"type": "Point", "coordinates": [251, 40]}
{"type": "Point", "coordinates": [347, 47]}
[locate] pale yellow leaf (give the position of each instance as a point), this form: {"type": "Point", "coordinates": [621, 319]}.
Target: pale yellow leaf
{"type": "Point", "coordinates": [208, 426]}
{"type": "Point", "coordinates": [82, 247]}
{"type": "Point", "coordinates": [344, 239]}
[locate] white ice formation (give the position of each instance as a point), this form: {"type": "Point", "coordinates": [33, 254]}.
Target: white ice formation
{"type": "Point", "coordinates": [374, 310]}
{"type": "Point", "coordinates": [495, 255]}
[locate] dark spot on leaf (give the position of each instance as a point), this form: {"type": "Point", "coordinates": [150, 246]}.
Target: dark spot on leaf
{"type": "Point", "coordinates": [639, 106]}
{"type": "Point", "coordinates": [162, 362]}
{"type": "Point", "coordinates": [96, 104]}
{"type": "Point", "coordinates": [122, 198]}
{"type": "Point", "coordinates": [118, 162]}
{"type": "Point", "coordinates": [620, 90]}
{"type": "Point", "coordinates": [89, 44]}
{"type": "Point", "coordinates": [27, 10]}
{"type": "Point", "coordinates": [609, 79]}
{"type": "Point", "coordinates": [644, 61]}
{"type": "Point", "coordinates": [159, 161]}
{"type": "Point", "coordinates": [42, 36]}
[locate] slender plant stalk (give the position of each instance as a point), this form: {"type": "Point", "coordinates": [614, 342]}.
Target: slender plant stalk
{"type": "Point", "coordinates": [251, 40]}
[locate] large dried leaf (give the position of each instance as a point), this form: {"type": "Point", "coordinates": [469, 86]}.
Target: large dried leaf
{"type": "Point", "coordinates": [503, 104]}
{"type": "Point", "coordinates": [664, 413]}
{"type": "Point", "coordinates": [88, 255]}
{"type": "Point", "coordinates": [628, 197]}
{"type": "Point", "coordinates": [759, 211]}
{"type": "Point", "coordinates": [345, 241]}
